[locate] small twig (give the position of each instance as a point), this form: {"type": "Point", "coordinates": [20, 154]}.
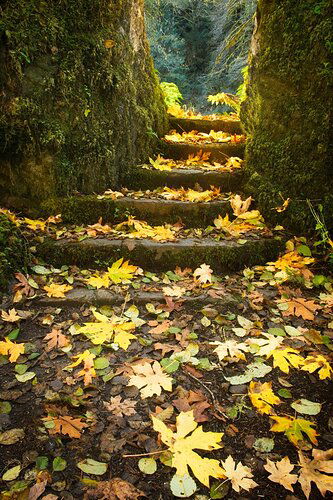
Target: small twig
{"type": "Point", "coordinates": [144, 454]}
{"type": "Point", "coordinates": [210, 392]}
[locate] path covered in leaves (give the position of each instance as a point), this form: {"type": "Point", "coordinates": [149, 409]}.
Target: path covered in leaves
{"type": "Point", "coordinates": [120, 381]}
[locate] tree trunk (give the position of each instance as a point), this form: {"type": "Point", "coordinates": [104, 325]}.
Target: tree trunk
{"type": "Point", "coordinates": [288, 111]}
{"type": "Point", "coordinates": [79, 99]}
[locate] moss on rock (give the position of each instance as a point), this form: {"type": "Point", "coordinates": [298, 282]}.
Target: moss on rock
{"type": "Point", "coordinates": [288, 113]}
{"type": "Point", "coordinates": [80, 100]}
{"type": "Point", "coordinates": [13, 251]}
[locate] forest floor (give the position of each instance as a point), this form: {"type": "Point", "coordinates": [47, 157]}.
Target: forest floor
{"type": "Point", "coordinates": [108, 375]}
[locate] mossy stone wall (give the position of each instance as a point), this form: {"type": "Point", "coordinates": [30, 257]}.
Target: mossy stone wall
{"type": "Point", "coordinates": [288, 114]}
{"type": "Point", "coordinates": [14, 251]}
{"type": "Point", "coordinates": [79, 98]}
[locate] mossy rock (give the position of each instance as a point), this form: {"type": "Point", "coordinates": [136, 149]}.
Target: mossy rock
{"type": "Point", "coordinates": [14, 253]}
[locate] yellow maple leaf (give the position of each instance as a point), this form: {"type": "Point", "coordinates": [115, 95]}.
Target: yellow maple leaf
{"type": "Point", "coordinates": [7, 347]}
{"type": "Point", "coordinates": [57, 291]}
{"type": "Point", "coordinates": [108, 329]}
{"type": "Point", "coordinates": [35, 224]}
{"type": "Point", "coordinates": [238, 205]}
{"type": "Point", "coordinates": [160, 163]}
{"type": "Point", "coordinates": [240, 475]}
{"type": "Point", "coordinates": [284, 358]}
{"type": "Point", "coordinates": [121, 271]}
{"type": "Point", "coordinates": [11, 316]}
{"type": "Point", "coordinates": [150, 379]}
{"type": "Point", "coordinates": [262, 396]}
{"type": "Point", "coordinates": [292, 260]}
{"type": "Point", "coordinates": [187, 438]}
{"type": "Point", "coordinates": [99, 281]}
{"type": "Point", "coordinates": [294, 428]}
{"type": "Point", "coordinates": [318, 362]}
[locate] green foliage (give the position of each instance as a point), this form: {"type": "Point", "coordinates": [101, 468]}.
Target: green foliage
{"type": "Point", "coordinates": [201, 45]}
{"type": "Point", "coordinates": [171, 93]}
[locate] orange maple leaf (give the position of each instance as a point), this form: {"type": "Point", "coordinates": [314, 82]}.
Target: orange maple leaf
{"type": "Point", "coordinates": [301, 307]}
{"type": "Point", "coordinates": [66, 425]}
{"type": "Point", "coordinates": [55, 339]}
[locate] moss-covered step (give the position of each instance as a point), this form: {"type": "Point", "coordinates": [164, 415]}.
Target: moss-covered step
{"type": "Point", "coordinates": [88, 209]}
{"type": "Point", "coordinates": [143, 178]}
{"type": "Point", "coordinates": [188, 124]}
{"type": "Point", "coordinates": [219, 151]}
{"type": "Point", "coordinates": [222, 256]}
{"type": "Point", "coordinates": [81, 296]}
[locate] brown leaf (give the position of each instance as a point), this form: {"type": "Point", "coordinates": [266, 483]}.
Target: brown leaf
{"type": "Point", "coordinates": [116, 489]}
{"type": "Point", "coordinates": [55, 339]}
{"type": "Point", "coordinates": [160, 328]}
{"type": "Point", "coordinates": [37, 489]}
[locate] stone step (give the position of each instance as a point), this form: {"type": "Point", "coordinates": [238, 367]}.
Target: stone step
{"type": "Point", "coordinates": [218, 151]}
{"type": "Point", "coordinates": [82, 296]}
{"type": "Point", "coordinates": [222, 256]}
{"type": "Point", "coordinates": [143, 178]}
{"type": "Point", "coordinates": [88, 209]}
{"type": "Point", "coordinates": [189, 124]}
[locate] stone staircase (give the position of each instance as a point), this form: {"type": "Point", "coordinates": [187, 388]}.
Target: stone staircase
{"type": "Point", "coordinates": [224, 255]}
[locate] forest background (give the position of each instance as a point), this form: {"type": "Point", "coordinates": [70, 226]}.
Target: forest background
{"type": "Point", "coordinates": [200, 45]}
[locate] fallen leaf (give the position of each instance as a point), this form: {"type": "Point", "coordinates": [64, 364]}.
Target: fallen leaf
{"type": "Point", "coordinates": [9, 348]}
{"type": "Point", "coordinates": [262, 397]}
{"type": "Point", "coordinates": [240, 475]}
{"type": "Point", "coordinates": [294, 428]}
{"type": "Point", "coordinates": [121, 271]}
{"type": "Point", "coordinates": [11, 316]}
{"type": "Point", "coordinates": [320, 363]}
{"type": "Point", "coordinates": [57, 291]}
{"type": "Point", "coordinates": [301, 308]}
{"type": "Point", "coordinates": [119, 407]}
{"type": "Point", "coordinates": [280, 472]}
{"type": "Point", "coordinates": [150, 379]}
{"type": "Point", "coordinates": [313, 471]}
{"type": "Point", "coordinates": [284, 358]}
{"type": "Point", "coordinates": [181, 444]}
{"type": "Point", "coordinates": [203, 274]}
{"type": "Point", "coordinates": [11, 436]}
{"type": "Point", "coordinates": [55, 339]}
{"type": "Point", "coordinates": [65, 425]}
{"type": "Point", "coordinates": [115, 489]}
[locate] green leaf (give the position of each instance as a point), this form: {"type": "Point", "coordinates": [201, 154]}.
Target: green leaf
{"type": "Point", "coordinates": [12, 473]}
{"type": "Point", "coordinates": [204, 364]}
{"type": "Point", "coordinates": [41, 270]}
{"type": "Point", "coordinates": [42, 462]}
{"type": "Point", "coordinates": [319, 279]}
{"type": "Point", "coordinates": [147, 465]}
{"type": "Point", "coordinates": [182, 486]}
{"type": "Point", "coordinates": [254, 370]}
{"type": "Point", "coordinates": [278, 332]}
{"type": "Point", "coordinates": [264, 445]}
{"type": "Point", "coordinates": [306, 407]}
{"type": "Point", "coordinates": [304, 250]}
{"type": "Point", "coordinates": [101, 363]}
{"type": "Point", "coordinates": [59, 464]}
{"type": "Point", "coordinates": [25, 377]}
{"type": "Point", "coordinates": [284, 393]}
{"type": "Point", "coordinates": [219, 490]}
{"type": "Point", "coordinates": [13, 334]}
{"type": "Point", "coordinates": [5, 407]}
{"type": "Point", "coordinates": [90, 466]}
{"type": "Point", "coordinates": [169, 365]}
{"type": "Point", "coordinates": [21, 369]}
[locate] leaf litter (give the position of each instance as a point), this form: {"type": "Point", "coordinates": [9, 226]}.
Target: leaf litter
{"type": "Point", "coordinates": [105, 396]}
